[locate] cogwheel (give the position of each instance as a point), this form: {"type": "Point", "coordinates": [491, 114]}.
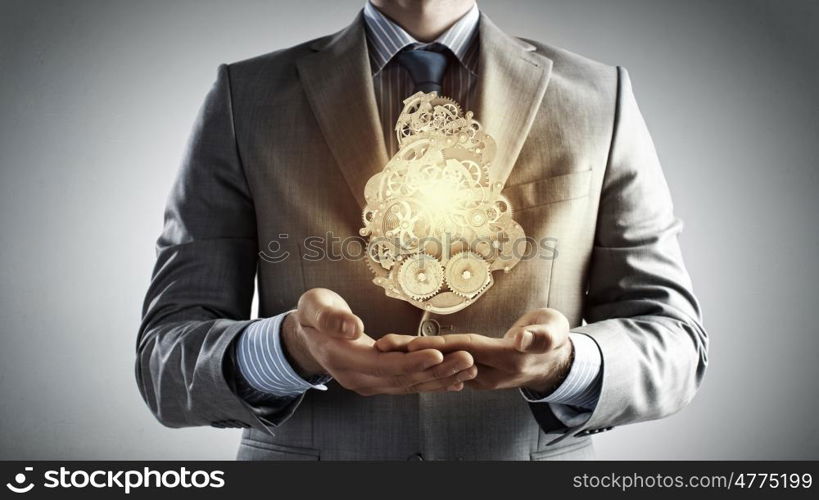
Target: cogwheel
{"type": "Point", "coordinates": [368, 216]}
{"type": "Point", "coordinates": [478, 218]}
{"type": "Point", "coordinates": [381, 252]}
{"type": "Point", "coordinates": [421, 276]}
{"type": "Point", "coordinates": [413, 103]}
{"type": "Point", "coordinates": [414, 148]}
{"type": "Point", "coordinates": [447, 102]}
{"type": "Point", "coordinates": [503, 206]}
{"type": "Point", "coordinates": [375, 268]}
{"type": "Point", "coordinates": [467, 274]}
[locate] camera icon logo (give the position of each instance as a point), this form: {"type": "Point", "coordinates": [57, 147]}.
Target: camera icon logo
{"type": "Point", "coordinates": [20, 479]}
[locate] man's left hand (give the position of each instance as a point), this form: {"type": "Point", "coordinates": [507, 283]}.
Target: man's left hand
{"type": "Point", "coordinates": [535, 353]}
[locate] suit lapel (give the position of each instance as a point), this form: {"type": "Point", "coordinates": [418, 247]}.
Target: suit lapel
{"type": "Point", "coordinates": [338, 82]}
{"type": "Point", "coordinates": [511, 82]}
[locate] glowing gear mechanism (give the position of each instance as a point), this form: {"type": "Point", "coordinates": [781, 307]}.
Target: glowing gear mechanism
{"type": "Point", "coordinates": [437, 224]}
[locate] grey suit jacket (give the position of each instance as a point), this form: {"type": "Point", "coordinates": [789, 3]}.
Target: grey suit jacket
{"type": "Point", "coordinates": [285, 143]}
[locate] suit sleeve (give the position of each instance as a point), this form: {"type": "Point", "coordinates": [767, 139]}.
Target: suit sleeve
{"type": "Point", "coordinates": [640, 307]}
{"type": "Point", "coordinates": [200, 294]}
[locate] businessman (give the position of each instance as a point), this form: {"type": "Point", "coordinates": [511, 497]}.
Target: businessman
{"type": "Point", "coordinates": [606, 332]}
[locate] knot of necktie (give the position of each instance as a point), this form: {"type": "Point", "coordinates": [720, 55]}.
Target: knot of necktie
{"type": "Point", "coordinates": [426, 67]}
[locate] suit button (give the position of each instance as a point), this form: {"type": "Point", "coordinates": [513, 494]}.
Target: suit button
{"type": "Point", "coordinates": [415, 458]}
{"type": "Point", "coordinates": [430, 327]}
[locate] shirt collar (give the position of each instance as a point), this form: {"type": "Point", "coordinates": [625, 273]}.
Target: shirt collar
{"type": "Point", "coordinates": [386, 38]}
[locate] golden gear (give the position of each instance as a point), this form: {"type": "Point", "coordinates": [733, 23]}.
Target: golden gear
{"type": "Point", "coordinates": [434, 216]}
{"type": "Point", "coordinates": [382, 254]}
{"type": "Point", "coordinates": [368, 216]}
{"type": "Point", "coordinates": [421, 276]}
{"type": "Point", "coordinates": [427, 111]}
{"type": "Point", "coordinates": [467, 274]}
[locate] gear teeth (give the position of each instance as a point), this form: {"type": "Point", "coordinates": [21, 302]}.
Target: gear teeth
{"type": "Point", "coordinates": [443, 100]}
{"type": "Point", "coordinates": [371, 265]}
{"type": "Point", "coordinates": [467, 274]}
{"type": "Point", "coordinates": [368, 217]}
{"type": "Point", "coordinates": [418, 112]}
{"type": "Point", "coordinates": [440, 145]}
{"type": "Point", "coordinates": [383, 257]}
{"type": "Point", "coordinates": [421, 284]}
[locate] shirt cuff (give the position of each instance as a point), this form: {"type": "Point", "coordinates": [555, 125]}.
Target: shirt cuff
{"type": "Point", "coordinates": [263, 365]}
{"type": "Point", "coordinates": [581, 388]}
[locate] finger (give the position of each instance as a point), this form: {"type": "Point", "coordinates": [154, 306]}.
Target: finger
{"type": "Point", "coordinates": [394, 342]}
{"type": "Point", "coordinates": [490, 378]}
{"type": "Point", "coordinates": [327, 312]}
{"type": "Point", "coordinates": [495, 352]}
{"type": "Point", "coordinates": [478, 345]}
{"type": "Point", "coordinates": [530, 318]}
{"type": "Point", "coordinates": [533, 339]}
{"type": "Point", "coordinates": [363, 359]}
{"type": "Point", "coordinates": [538, 339]}
{"type": "Point", "coordinates": [453, 364]}
{"type": "Point", "coordinates": [538, 331]}
{"type": "Point", "coordinates": [444, 384]}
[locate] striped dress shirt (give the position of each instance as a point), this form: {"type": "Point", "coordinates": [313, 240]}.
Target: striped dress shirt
{"type": "Point", "coordinates": [265, 373]}
{"type": "Point", "coordinates": [392, 83]}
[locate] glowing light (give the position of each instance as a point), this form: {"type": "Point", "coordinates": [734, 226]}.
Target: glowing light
{"type": "Point", "coordinates": [436, 221]}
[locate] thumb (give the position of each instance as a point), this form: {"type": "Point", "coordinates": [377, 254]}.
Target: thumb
{"type": "Point", "coordinates": [532, 339]}
{"type": "Point", "coordinates": [539, 331]}
{"type": "Point", "coordinates": [394, 342]}
{"type": "Point", "coordinates": [326, 311]}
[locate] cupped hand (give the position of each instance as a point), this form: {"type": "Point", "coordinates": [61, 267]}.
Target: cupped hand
{"type": "Point", "coordinates": [535, 352]}
{"type": "Point", "coordinates": [323, 336]}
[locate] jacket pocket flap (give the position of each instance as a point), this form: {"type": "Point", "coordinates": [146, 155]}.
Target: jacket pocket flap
{"type": "Point", "coordinates": [549, 190]}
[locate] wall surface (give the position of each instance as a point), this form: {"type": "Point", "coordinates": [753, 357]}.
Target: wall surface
{"type": "Point", "coordinates": [96, 102]}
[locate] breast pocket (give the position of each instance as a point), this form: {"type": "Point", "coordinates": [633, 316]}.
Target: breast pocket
{"type": "Point", "coordinates": [549, 190]}
{"type": "Point", "coordinates": [554, 214]}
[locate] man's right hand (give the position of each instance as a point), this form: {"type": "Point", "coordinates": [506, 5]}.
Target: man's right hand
{"type": "Point", "coordinates": [323, 336]}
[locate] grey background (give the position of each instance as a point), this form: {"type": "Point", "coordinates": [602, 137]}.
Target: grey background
{"type": "Point", "coordinates": [97, 100]}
